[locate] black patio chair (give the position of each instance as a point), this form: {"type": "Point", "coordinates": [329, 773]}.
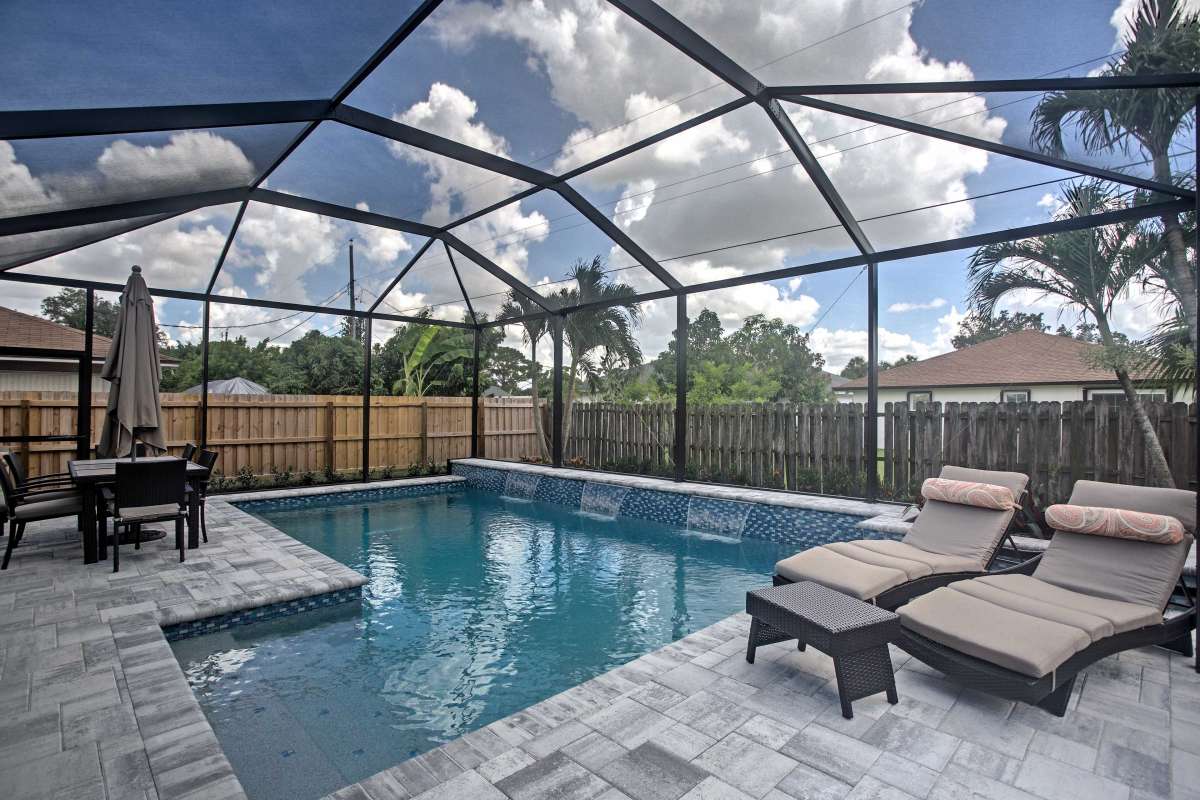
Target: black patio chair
{"type": "Point", "coordinates": [58, 481]}
{"type": "Point", "coordinates": [206, 459]}
{"type": "Point", "coordinates": [20, 508]}
{"type": "Point", "coordinates": [148, 491]}
{"type": "Point", "coordinates": [189, 450]}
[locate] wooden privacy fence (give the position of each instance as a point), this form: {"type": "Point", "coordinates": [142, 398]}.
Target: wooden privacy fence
{"type": "Point", "coordinates": [1055, 444]}
{"type": "Point", "coordinates": [297, 433]}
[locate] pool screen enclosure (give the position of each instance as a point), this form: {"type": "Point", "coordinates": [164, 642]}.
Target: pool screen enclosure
{"type": "Point", "coordinates": [279, 128]}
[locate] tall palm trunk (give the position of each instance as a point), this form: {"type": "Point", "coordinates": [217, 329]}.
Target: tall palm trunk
{"type": "Point", "coordinates": [570, 404]}
{"type": "Point", "coordinates": [1182, 278]}
{"type": "Point", "coordinates": [1156, 459]}
{"type": "Point", "coordinates": [538, 428]}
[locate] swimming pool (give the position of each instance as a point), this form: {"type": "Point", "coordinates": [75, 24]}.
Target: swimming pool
{"type": "Point", "coordinates": [477, 606]}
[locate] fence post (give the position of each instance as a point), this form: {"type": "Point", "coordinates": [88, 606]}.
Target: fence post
{"type": "Point", "coordinates": [481, 426]}
{"type": "Point", "coordinates": [329, 442]}
{"type": "Point", "coordinates": [29, 470]}
{"type": "Point", "coordinates": [423, 453]}
{"type": "Point", "coordinates": [681, 357]}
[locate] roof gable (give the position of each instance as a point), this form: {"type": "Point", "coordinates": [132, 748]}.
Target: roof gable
{"type": "Point", "coordinates": [1015, 359]}
{"type": "Point", "coordinates": [18, 329]}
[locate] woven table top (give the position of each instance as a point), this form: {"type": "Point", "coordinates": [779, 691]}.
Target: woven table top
{"type": "Point", "coordinates": [821, 606]}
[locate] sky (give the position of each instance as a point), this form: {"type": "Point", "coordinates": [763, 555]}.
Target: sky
{"type": "Point", "coordinates": [552, 83]}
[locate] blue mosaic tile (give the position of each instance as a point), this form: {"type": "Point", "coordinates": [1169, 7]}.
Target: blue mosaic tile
{"type": "Point", "coordinates": [798, 527]}
{"type": "Point", "coordinates": [223, 622]}
{"type": "Point", "coordinates": [329, 499]}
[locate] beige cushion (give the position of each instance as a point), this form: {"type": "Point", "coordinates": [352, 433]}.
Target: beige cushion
{"type": "Point", "coordinates": [62, 507]}
{"type": "Point", "coordinates": [1022, 642]}
{"type": "Point", "coordinates": [868, 567]}
{"type": "Point", "coordinates": [149, 512]}
{"type": "Point", "coordinates": [1121, 569]}
{"type": "Point", "coordinates": [965, 531]}
{"type": "Point", "coordinates": [1118, 616]}
{"type": "Point", "coordinates": [58, 494]}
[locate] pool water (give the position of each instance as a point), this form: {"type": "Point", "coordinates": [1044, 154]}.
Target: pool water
{"type": "Point", "coordinates": [477, 607]}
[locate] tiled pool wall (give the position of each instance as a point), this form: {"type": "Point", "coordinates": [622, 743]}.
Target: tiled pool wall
{"type": "Point", "coordinates": [801, 527]}
{"type": "Point", "coordinates": [223, 622]}
{"type": "Point", "coordinates": [351, 497]}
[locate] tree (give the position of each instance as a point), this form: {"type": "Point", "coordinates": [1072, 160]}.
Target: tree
{"type": "Point", "coordinates": [1164, 38]}
{"type": "Point", "coordinates": [533, 329]}
{"type": "Point", "coordinates": [1088, 269]}
{"type": "Point", "coordinates": [318, 364]}
{"type": "Point", "coordinates": [856, 367]}
{"type": "Point", "coordinates": [975, 328]}
{"type": "Point", "coordinates": [507, 370]}
{"type": "Point", "coordinates": [908, 359]}
{"type": "Point", "coordinates": [226, 359]}
{"type": "Point", "coordinates": [608, 327]}
{"type": "Point", "coordinates": [69, 307]}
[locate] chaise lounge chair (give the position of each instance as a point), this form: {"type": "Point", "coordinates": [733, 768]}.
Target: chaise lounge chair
{"type": "Point", "coordinates": [1102, 586]}
{"type": "Point", "coordinates": [950, 540]}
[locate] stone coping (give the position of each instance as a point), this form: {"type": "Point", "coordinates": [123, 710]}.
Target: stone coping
{"type": "Point", "coordinates": [333, 488]}
{"type": "Point", "coordinates": [858, 508]}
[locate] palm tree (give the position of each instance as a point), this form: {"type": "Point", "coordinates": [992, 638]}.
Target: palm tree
{"type": "Point", "coordinates": [533, 329]}
{"type": "Point", "coordinates": [1088, 269]}
{"type": "Point", "coordinates": [607, 326]}
{"type": "Point", "coordinates": [1164, 38]}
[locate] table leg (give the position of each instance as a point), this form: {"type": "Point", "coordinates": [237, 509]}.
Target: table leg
{"type": "Point", "coordinates": [90, 539]}
{"type": "Point", "coordinates": [752, 639]}
{"type": "Point", "coordinates": [862, 674]}
{"type": "Point", "coordinates": [193, 519]}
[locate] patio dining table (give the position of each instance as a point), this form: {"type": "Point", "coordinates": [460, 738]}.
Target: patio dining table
{"type": "Point", "coordinates": [90, 475]}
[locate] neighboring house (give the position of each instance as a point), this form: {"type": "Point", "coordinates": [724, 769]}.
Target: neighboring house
{"type": "Point", "coordinates": [24, 374]}
{"type": "Point", "coordinates": [836, 384]}
{"type": "Point", "coordinates": [230, 386]}
{"type": "Point", "coordinates": [1027, 366]}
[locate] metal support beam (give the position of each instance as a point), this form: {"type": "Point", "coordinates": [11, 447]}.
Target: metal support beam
{"type": "Point", "coordinates": [1196, 377]}
{"type": "Point", "coordinates": [400, 275]}
{"type": "Point", "coordinates": [992, 147]}
{"type": "Point", "coordinates": [1139, 212]}
{"type": "Point", "coordinates": [341, 212]}
{"type": "Point", "coordinates": [461, 287]}
{"type": "Point", "coordinates": [110, 121]}
{"type": "Point", "coordinates": [83, 417]}
{"type": "Point", "coordinates": [1172, 81]}
{"type": "Point", "coordinates": [681, 371]}
{"type": "Point", "coordinates": [99, 237]}
{"type": "Point", "coordinates": [557, 323]}
{"type": "Point", "coordinates": [204, 341]}
{"type": "Point", "coordinates": [78, 283]}
{"type": "Point", "coordinates": [233, 229]}
{"type": "Point", "coordinates": [493, 269]}
{"type": "Point", "coordinates": [871, 429]}
{"type": "Point", "coordinates": [475, 393]}
{"type": "Point", "coordinates": [366, 401]}
{"type": "Point", "coordinates": [653, 16]}
{"type": "Point", "coordinates": [114, 212]}
{"type": "Point", "coordinates": [612, 231]}
{"type": "Point", "coordinates": [397, 38]}
{"type": "Point", "coordinates": [783, 123]}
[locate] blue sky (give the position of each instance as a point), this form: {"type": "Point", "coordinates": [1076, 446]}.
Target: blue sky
{"type": "Point", "coordinates": [544, 83]}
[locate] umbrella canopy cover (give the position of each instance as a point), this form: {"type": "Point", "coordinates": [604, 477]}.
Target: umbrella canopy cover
{"type": "Point", "coordinates": [133, 369]}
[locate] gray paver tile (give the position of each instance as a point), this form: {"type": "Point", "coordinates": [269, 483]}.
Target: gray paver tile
{"type": "Point", "coordinates": [465, 784]}
{"type": "Point", "coordinates": [594, 751]}
{"type": "Point", "coordinates": [809, 783]}
{"type": "Point", "coordinates": [911, 740]}
{"type": "Point", "coordinates": [843, 757]}
{"type": "Point", "coordinates": [715, 789]}
{"type": "Point", "coordinates": [505, 764]}
{"type": "Point", "coordinates": [872, 789]}
{"type": "Point", "coordinates": [1136, 758]}
{"type": "Point", "coordinates": [649, 772]}
{"type": "Point", "coordinates": [628, 723]}
{"type": "Point", "coordinates": [909, 776]}
{"type": "Point", "coordinates": [555, 777]}
{"type": "Point", "coordinates": [746, 764]}
{"type": "Point", "coordinates": [984, 720]}
{"type": "Point", "coordinates": [1057, 781]}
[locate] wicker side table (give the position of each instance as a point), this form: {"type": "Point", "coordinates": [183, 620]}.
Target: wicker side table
{"type": "Point", "coordinates": [853, 633]}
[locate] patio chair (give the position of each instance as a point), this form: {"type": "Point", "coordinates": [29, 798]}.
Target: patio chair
{"type": "Point", "coordinates": [52, 486]}
{"type": "Point", "coordinates": [189, 450]}
{"type": "Point", "coordinates": [1102, 586]}
{"type": "Point", "coordinates": [20, 508]}
{"type": "Point", "coordinates": [206, 459]}
{"type": "Point", "coordinates": [950, 540]}
{"type": "Point", "coordinates": [148, 491]}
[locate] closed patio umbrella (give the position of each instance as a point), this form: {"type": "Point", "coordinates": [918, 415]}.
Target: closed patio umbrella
{"type": "Point", "coordinates": [132, 367]}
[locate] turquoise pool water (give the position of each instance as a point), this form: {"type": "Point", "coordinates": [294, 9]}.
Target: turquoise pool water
{"type": "Point", "coordinates": [477, 606]}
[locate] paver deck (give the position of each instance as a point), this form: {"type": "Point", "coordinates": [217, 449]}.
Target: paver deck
{"type": "Point", "coordinates": [94, 705]}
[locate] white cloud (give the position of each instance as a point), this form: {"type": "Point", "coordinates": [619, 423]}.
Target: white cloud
{"type": "Point", "coordinates": [904, 308]}
{"type": "Point", "coordinates": [382, 245]}
{"type": "Point", "coordinates": [1123, 14]}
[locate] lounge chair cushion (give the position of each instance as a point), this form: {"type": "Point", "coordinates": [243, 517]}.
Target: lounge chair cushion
{"type": "Point", "coordinates": [1023, 642]}
{"type": "Point", "coordinates": [967, 531]}
{"type": "Point", "coordinates": [864, 569]}
{"type": "Point", "coordinates": [1099, 616]}
{"type": "Point", "coordinates": [62, 507]}
{"type": "Point", "coordinates": [968, 493]}
{"type": "Point", "coordinates": [1121, 569]}
{"type": "Point", "coordinates": [1115, 523]}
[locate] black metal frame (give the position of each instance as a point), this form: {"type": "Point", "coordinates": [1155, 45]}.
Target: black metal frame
{"type": "Point", "coordinates": [335, 111]}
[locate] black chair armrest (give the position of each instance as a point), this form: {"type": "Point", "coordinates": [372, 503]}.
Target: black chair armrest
{"type": "Point", "coordinates": [1024, 568]}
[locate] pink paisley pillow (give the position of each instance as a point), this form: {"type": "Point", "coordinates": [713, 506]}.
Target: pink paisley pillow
{"type": "Point", "coordinates": [1116, 523]}
{"type": "Point", "coordinates": [969, 493]}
